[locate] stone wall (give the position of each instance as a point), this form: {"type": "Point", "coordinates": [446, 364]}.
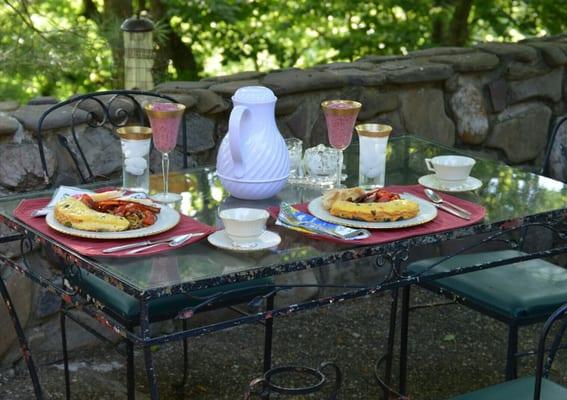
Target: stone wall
{"type": "Point", "coordinates": [496, 99]}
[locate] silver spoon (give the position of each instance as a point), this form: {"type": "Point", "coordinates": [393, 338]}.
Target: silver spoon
{"type": "Point", "coordinates": [178, 241]}
{"type": "Point", "coordinates": [434, 197]}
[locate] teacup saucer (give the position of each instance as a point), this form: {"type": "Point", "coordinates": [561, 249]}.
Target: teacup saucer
{"type": "Point", "coordinates": [432, 182]}
{"type": "Point", "coordinates": [265, 241]}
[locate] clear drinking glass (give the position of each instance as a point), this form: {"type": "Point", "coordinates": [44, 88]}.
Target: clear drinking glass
{"type": "Point", "coordinates": [295, 150]}
{"type": "Point", "coordinates": [165, 119]}
{"type": "Point", "coordinates": [340, 116]}
{"type": "Point", "coordinates": [321, 165]}
{"type": "Point", "coordinates": [373, 140]}
{"type": "Point", "coordinates": [135, 142]}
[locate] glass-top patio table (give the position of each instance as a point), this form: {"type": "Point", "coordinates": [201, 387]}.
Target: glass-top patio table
{"type": "Point", "coordinates": [512, 197]}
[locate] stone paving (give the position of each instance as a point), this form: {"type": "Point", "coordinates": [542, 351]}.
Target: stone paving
{"type": "Point", "coordinates": [452, 350]}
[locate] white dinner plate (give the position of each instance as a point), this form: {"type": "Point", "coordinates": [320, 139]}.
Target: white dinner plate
{"type": "Point", "coordinates": [265, 241]}
{"type": "Point", "coordinates": [432, 182]}
{"type": "Point", "coordinates": [427, 212]}
{"type": "Point", "coordinates": [166, 219]}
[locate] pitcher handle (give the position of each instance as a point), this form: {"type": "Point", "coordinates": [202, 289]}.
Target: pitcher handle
{"type": "Point", "coordinates": [235, 139]}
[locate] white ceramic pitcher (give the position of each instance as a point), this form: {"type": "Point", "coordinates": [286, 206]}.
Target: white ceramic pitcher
{"type": "Point", "coordinates": [253, 161]}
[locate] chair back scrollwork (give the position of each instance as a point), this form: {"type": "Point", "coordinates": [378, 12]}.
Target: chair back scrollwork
{"type": "Point", "coordinates": [112, 108]}
{"type": "Point", "coordinates": [546, 354]}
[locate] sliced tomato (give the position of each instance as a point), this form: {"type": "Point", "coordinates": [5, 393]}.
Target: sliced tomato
{"type": "Point", "coordinates": [149, 218]}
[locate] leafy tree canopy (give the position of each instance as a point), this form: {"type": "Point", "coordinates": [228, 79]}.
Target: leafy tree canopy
{"type": "Point", "coordinates": [58, 47]}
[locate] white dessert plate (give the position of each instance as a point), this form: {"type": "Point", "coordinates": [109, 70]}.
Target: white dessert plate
{"type": "Point", "coordinates": [427, 212]}
{"type": "Point", "coordinates": [265, 241]}
{"type": "Point", "coordinates": [166, 219]}
{"type": "Point", "coordinates": [432, 182]}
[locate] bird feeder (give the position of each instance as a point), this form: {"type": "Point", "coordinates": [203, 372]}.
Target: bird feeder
{"type": "Point", "coordinates": [138, 53]}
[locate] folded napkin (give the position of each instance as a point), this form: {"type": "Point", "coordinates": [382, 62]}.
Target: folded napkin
{"type": "Point", "coordinates": [59, 194]}
{"type": "Point", "coordinates": [294, 219]}
{"type": "Point", "coordinates": [94, 247]}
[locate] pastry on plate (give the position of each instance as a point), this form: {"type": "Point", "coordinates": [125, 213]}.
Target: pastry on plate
{"type": "Point", "coordinates": [355, 194]}
{"type": "Point", "coordinates": [74, 213]}
{"type": "Point", "coordinates": [375, 212]}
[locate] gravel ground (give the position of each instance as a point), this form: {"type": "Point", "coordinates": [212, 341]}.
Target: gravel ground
{"type": "Point", "coordinates": [452, 350]}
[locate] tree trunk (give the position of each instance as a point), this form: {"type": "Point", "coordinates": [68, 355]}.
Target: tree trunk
{"type": "Point", "coordinates": [172, 49]}
{"type": "Point", "coordinates": [459, 28]}
{"type": "Point", "coordinates": [118, 9]}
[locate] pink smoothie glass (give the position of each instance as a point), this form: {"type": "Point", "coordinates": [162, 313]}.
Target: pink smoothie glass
{"type": "Point", "coordinates": [340, 116]}
{"type": "Point", "coordinates": [165, 119]}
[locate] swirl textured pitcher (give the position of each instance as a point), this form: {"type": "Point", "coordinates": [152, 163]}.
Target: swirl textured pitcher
{"type": "Point", "coordinates": [253, 161]}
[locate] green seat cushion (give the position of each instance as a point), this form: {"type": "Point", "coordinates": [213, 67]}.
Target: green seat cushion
{"type": "Point", "coordinates": [128, 307]}
{"type": "Point", "coordinates": [521, 290]}
{"type": "Point", "coordinates": [518, 389]}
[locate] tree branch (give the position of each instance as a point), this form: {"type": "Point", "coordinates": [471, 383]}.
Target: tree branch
{"type": "Point", "coordinates": [24, 16]}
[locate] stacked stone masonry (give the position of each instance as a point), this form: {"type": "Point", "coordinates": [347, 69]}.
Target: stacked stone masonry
{"type": "Point", "coordinates": [491, 99]}
{"type": "Point", "coordinates": [497, 100]}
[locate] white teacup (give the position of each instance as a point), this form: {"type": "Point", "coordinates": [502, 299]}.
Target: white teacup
{"type": "Point", "coordinates": [244, 225]}
{"type": "Point", "coordinates": [451, 169]}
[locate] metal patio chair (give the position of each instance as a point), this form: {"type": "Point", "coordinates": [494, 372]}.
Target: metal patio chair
{"type": "Point", "coordinates": [538, 387]}
{"type": "Point", "coordinates": [517, 294]}
{"type": "Point", "coordinates": [113, 108]}
{"type": "Point", "coordinates": [117, 108]}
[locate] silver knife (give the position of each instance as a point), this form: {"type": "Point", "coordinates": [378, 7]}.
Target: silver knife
{"type": "Point", "coordinates": [453, 211]}
{"type": "Point", "coordinates": [138, 244]}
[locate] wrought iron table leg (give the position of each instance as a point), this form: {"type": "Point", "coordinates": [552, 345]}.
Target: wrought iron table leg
{"type": "Point", "coordinates": [26, 353]}
{"type": "Point", "coordinates": [268, 335]}
{"type": "Point", "coordinates": [391, 340]}
{"type": "Point", "coordinates": [185, 354]}
{"type": "Point", "coordinates": [262, 387]}
{"type": "Point", "coordinates": [148, 358]}
{"type": "Point", "coordinates": [185, 357]}
{"type": "Point", "coordinates": [62, 321]}
{"type": "Point", "coordinates": [130, 371]}
{"type": "Point", "coordinates": [404, 339]}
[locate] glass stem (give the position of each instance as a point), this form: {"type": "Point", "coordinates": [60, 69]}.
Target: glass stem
{"type": "Point", "coordinates": [165, 171]}
{"type": "Point", "coordinates": [340, 168]}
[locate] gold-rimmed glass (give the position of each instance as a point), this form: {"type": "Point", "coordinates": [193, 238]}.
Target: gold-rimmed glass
{"type": "Point", "coordinates": [165, 120]}
{"type": "Point", "coordinates": [340, 117]}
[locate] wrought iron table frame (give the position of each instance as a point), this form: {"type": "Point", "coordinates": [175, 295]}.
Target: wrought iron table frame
{"type": "Point", "coordinates": [394, 253]}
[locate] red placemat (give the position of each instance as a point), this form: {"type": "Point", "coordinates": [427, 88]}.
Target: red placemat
{"type": "Point", "coordinates": [443, 222]}
{"type": "Point", "coordinates": [94, 247]}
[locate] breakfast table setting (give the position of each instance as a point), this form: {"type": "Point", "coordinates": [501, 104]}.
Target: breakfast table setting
{"type": "Point", "coordinates": [356, 211]}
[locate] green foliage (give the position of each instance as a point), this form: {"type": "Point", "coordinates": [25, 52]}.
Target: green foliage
{"type": "Point", "coordinates": [50, 51]}
{"type": "Point", "coordinates": [48, 47]}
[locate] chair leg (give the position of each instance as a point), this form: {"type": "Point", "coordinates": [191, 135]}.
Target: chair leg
{"type": "Point", "coordinates": [404, 339]}
{"type": "Point", "coordinates": [24, 347]}
{"type": "Point", "coordinates": [62, 321]}
{"type": "Point", "coordinates": [268, 335]}
{"type": "Point", "coordinates": [130, 371]}
{"type": "Point", "coordinates": [511, 360]}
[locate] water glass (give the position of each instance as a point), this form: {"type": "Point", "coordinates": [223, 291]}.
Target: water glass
{"type": "Point", "coordinates": [373, 140]}
{"type": "Point", "coordinates": [295, 150]}
{"type": "Point", "coordinates": [321, 165]}
{"type": "Point", "coordinates": [135, 142]}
